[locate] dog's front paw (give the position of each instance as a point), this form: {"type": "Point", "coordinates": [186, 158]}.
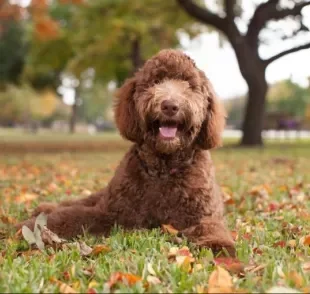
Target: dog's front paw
{"type": "Point", "coordinates": [46, 208]}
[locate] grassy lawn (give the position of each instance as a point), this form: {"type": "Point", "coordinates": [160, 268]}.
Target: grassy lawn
{"type": "Point", "coordinates": [267, 195]}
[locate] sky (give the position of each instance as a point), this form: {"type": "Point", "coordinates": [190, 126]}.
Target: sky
{"type": "Point", "coordinates": [221, 66]}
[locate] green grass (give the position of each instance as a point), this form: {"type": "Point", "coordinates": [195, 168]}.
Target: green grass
{"type": "Point", "coordinates": [284, 170]}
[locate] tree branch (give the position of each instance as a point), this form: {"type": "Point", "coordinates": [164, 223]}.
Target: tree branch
{"type": "Point", "coordinates": [286, 52]}
{"type": "Point", "coordinates": [270, 11]}
{"type": "Point", "coordinates": [230, 9]}
{"type": "Point", "coordinates": [203, 15]}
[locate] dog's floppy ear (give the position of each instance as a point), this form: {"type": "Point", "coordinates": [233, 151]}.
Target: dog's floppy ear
{"type": "Point", "coordinates": [210, 135]}
{"type": "Point", "coordinates": [126, 116]}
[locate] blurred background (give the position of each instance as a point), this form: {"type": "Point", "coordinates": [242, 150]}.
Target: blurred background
{"type": "Point", "coordinates": [61, 61]}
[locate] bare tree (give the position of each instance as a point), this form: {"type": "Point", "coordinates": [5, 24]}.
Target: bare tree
{"type": "Point", "coordinates": [246, 47]}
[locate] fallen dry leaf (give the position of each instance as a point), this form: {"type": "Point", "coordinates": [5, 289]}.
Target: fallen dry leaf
{"type": "Point", "coordinates": [169, 229]}
{"type": "Point", "coordinates": [279, 289]}
{"type": "Point", "coordinates": [197, 267]}
{"type": "Point", "coordinates": [84, 249]}
{"type": "Point", "coordinates": [182, 257]}
{"type": "Point", "coordinates": [233, 265]}
{"type": "Point", "coordinates": [48, 237]}
{"type": "Point", "coordinates": [63, 287]}
{"type": "Point", "coordinates": [279, 244]}
{"type": "Point", "coordinates": [255, 268]}
{"type": "Point", "coordinates": [26, 198]}
{"type": "Point", "coordinates": [200, 289]}
{"type": "Point", "coordinates": [100, 249]}
{"type": "Point", "coordinates": [261, 191]}
{"type": "Point", "coordinates": [306, 266]}
{"type": "Point", "coordinates": [153, 280]}
{"type": "Point", "coordinates": [8, 220]}
{"type": "Point", "coordinates": [150, 269]}
{"type": "Point", "coordinates": [305, 240]}
{"type": "Point", "coordinates": [220, 281]}
{"type": "Point", "coordinates": [129, 279]}
{"type": "Point", "coordinates": [296, 278]}
{"type": "Point", "coordinates": [184, 262]}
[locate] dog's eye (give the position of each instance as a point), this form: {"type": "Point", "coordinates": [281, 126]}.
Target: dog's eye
{"type": "Point", "coordinates": [157, 81]}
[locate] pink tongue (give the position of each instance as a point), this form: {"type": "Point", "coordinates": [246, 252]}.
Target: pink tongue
{"type": "Point", "coordinates": [168, 132]}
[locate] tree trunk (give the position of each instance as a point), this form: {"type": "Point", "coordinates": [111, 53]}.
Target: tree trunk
{"type": "Point", "coordinates": [253, 71]}
{"type": "Point", "coordinates": [74, 109]}
{"type": "Point", "coordinates": [136, 55]}
{"type": "Point", "coordinates": [253, 122]}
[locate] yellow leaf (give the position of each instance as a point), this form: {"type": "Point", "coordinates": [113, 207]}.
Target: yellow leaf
{"type": "Point", "coordinates": [200, 289]}
{"type": "Point", "coordinates": [26, 197]}
{"type": "Point", "coordinates": [63, 287]}
{"type": "Point", "coordinates": [184, 262]}
{"type": "Point", "coordinates": [220, 281]}
{"type": "Point", "coordinates": [93, 284]}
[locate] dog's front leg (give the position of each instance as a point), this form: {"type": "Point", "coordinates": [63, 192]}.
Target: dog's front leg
{"type": "Point", "coordinates": [48, 207]}
{"type": "Point", "coordinates": [68, 222]}
{"type": "Point", "coordinates": [211, 233]}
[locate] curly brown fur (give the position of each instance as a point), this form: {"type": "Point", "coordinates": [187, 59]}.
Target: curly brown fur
{"type": "Point", "coordinates": [171, 113]}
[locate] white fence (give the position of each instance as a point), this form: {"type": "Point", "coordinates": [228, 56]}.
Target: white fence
{"type": "Point", "coordinates": [271, 134]}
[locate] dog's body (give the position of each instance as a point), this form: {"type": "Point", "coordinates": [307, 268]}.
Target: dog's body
{"type": "Point", "coordinates": [170, 112]}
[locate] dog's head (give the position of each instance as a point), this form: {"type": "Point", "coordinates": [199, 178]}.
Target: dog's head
{"type": "Point", "coordinates": [170, 105]}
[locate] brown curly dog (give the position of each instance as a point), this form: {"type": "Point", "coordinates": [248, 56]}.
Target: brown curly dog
{"type": "Point", "coordinates": [171, 113]}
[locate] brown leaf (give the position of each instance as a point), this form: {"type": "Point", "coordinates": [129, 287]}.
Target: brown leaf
{"type": "Point", "coordinates": [63, 287]}
{"type": "Point", "coordinates": [169, 229]}
{"type": "Point", "coordinates": [279, 244]}
{"type": "Point", "coordinates": [84, 249]}
{"type": "Point", "coordinates": [6, 219]}
{"type": "Point", "coordinates": [306, 240]}
{"type": "Point", "coordinates": [129, 279]}
{"type": "Point", "coordinates": [234, 235]}
{"type": "Point", "coordinates": [100, 249]}
{"type": "Point", "coordinates": [233, 265]}
{"type": "Point", "coordinates": [48, 237]}
{"type": "Point", "coordinates": [220, 281]}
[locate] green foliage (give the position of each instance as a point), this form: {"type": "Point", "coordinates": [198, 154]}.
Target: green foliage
{"type": "Point", "coordinates": [283, 97]}
{"type": "Point", "coordinates": [235, 108]}
{"type": "Point", "coordinates": [96, 101]}
{"type": "Point", "coordinates": [13, 49]}
{"type": "Point", "coordinates": [20, 104]}
{"type": "Point", "coordinates": [288, 97]}
{"type": "Point", "coordinates": [107, 30]}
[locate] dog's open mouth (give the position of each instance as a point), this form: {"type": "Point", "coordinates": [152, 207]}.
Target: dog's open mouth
{"type": "Point", "coordinates": [168, 129]}
{"type": "Point", "coordinates": [168, 132]}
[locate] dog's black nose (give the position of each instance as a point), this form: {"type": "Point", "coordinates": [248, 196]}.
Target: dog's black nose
{"type": "Point", "coordinates": [169, 107]}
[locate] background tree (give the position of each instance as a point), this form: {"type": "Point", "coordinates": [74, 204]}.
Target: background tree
{"type": "Point", "coordinates": [113, 38]}
{"type": "Point", "coordinates": [230, 20]}
{"type": "Point", "coordinates": [288, 97]}
{"type": "Point", "coordinates": [13, 45]}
